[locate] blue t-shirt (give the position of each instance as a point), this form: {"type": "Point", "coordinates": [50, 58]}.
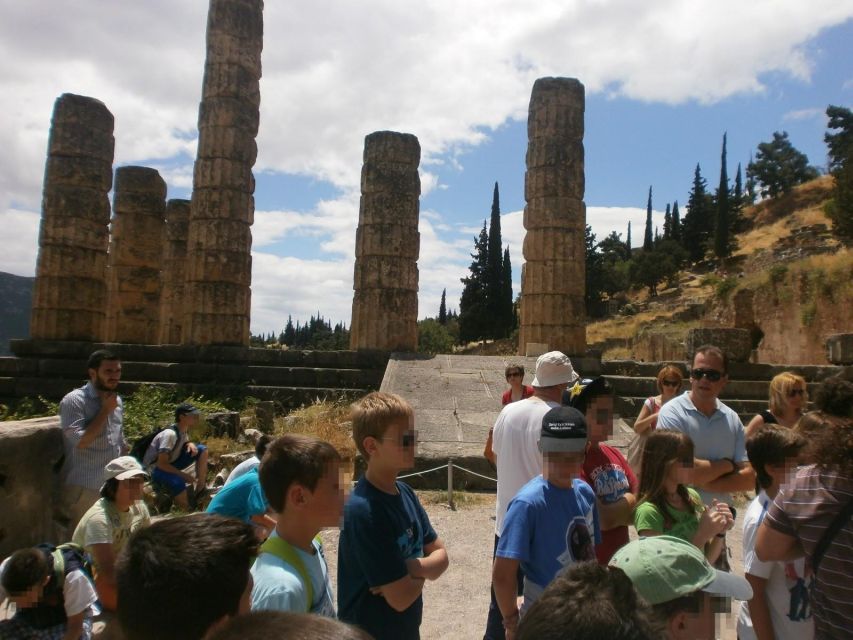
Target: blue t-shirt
{"type": "Point", "coordinates": [379, 534]}
{"type": "Point", "coordinates": [548, 528]}
{"type": "Point", "coordinates": [240, 499]}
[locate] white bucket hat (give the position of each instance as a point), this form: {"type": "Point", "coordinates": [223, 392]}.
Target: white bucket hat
{"type": "Point", "coordinates": [554, 368]}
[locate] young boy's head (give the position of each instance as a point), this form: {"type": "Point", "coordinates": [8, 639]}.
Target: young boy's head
{"type": "Point", "coordinates": [301, 474]}
{"type": "Point", "coordinates": [773, 452]}
{"type": "Point", "coordinates": [24, 577]}
{"type": "Point", "coordinates": [562, 441]}
{"type": "Point", "coordinates": [594, 398]}
{"type": "Point", "coordinates": [383, 423]}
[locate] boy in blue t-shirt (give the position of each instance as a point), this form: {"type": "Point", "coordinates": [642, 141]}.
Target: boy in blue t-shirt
{"type": "Point", "coordinates": [552, 522]}
{"type": "Point", "coordinates": [244, 499]}
{"type": "Point", "coordinates": [388, 547]}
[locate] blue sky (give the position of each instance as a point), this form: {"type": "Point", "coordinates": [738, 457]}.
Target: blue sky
{"type": "Point", "coordinates": [664, 80]}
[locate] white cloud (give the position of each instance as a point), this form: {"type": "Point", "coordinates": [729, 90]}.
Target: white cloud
{"type": "Point", "coordinates": [814, 113]}
{"type": "Point", "coordinates": [22, 228]}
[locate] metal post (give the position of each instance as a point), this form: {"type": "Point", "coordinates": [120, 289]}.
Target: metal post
{"type": "Point", "coordinates": [450, 484]}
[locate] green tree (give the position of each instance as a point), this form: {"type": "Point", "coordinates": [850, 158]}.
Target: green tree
{"type": "Point", "coordinates": [749, 197]}
{"type": "Point", "coordinates": [840, 144]}
{"type": "Point", "coordinates": [667, 222]}
{"type": "Point", "coordinates": [442, 308]}
{"type": "Point", "coordinates": [628, 243]}
{"type": "Point", "coordinates": [722, 228]}
{"type": "Point", "coordinates": [473, 319]}
{"type": "Point", "coordinates": [650, 268]}
{"type": "Point", "coordinates": [698, 222]}
{"type": "Point", "coordinates": [647, 237]}
{"type": "Point", "coordinates": [433, 337]}
{"type": "Point", "coordinates": [494, 274]}
{"type": "Point", "coordinates": [289, 332]}
{"type": "Point", "coordinates": [779, 167]}
{"type": "Point", "coordinates": [509, 318]}
{"type": "Point", "coordinates": [594, 274]}
{"type": "Point", "coordinates": [612, 264]}
{"type": "Point", "coordinates": [676, 222]}
{"type": "Point", "coordinates": [738, 201]}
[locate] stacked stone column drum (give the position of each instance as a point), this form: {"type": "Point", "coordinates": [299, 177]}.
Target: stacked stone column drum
{"type": "Point", "coordinates": [387, 244]}
{"type": "Point", "coordinates": [70, 294]}
{"type": "Point", "coordinates": [553, 276]}
{"type": "Point", "coordinates": [136, 253]}
{"type": "Point", "coordinates": [219, 237]}
{"type": "Point", "coordinates": [172, 301]}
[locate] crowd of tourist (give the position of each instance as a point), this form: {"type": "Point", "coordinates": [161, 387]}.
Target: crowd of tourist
{"type": "Point", "coordinates": [564, 564]}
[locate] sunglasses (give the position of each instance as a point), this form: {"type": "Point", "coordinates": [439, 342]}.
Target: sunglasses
{"type": "Point", "coordinates": [796, 392]}
{"type": "Point", "coordinates": [670, 383]}
{"type": "Point", "coordinates": [711, 374]}
{"type": "Point", "coordinates": [516, 374]}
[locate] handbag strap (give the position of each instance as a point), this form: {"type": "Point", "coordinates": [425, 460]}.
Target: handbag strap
{"type": "Point", "coordinates": [831, 531]}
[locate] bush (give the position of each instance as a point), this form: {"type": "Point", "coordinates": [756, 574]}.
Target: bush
{"type": "Point", "coordinates": [725, 287]}
{"type": "Point", "coordinates": [27, 408]}
{"type": "Point", "coordinates": [433, 337]}
{"type": "Point", "coordinates": [778, 273]}
{"type": "Point", "coordinates": [151, 406]}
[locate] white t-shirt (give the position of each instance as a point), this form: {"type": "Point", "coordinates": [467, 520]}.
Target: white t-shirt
{"type": "Point", "coordinates": [515, 441]}
{"type": "Point", "coordinates": [243, 468]}
{"type": "Point", "coordinates": [78, 594]}
{"type": "Point", "coordinates": [165, 442]}
{"type": "Point", "coordinates": [786, 584]}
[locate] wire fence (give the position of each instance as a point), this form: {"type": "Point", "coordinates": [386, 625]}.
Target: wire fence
{"type": "Point", "coordinates": [451, 467]}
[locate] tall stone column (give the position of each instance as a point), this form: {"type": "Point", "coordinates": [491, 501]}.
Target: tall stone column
{"type": "Point", "coordinates": [387, 243]}
{"type": "Point", "coordinates": [172, 296]}
{"type": "Point", "coordinates": [219, 237]}
{"type": "Point", "coordinates": [70, 294]}
{"type": "Point", "coordinates": [136, 251]}
{"type": "Point", "coordinates": [553, 277]}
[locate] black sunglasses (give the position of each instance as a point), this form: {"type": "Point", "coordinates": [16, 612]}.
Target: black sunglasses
{"type": "Point", "coordinates": [711, 374]}
{"type": "Point", "coordinates": [670, 383]}
{"type": "Point", "coordinates": [796, 392]}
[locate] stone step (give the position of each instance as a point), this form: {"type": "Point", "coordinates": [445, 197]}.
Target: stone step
{"type": "Point", "coordinates": [629, 407]}
{"type": "Point", "coordinates": [735, 389]}
{"type": "Point", "coordinates": [737, 370]}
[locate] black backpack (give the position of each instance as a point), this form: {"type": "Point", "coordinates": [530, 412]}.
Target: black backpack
{"type": "Point", "coordinates": [141, 446]}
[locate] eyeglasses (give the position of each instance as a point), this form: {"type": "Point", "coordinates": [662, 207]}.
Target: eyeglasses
{"type": "Point", "coordinates": [711, 374]}
{"type": "Point", "coordinates": [670, 383]}
{"type": "Point", "coordinates": [796, 392]}
{"type": "Point", "coordinates": [406, 441]}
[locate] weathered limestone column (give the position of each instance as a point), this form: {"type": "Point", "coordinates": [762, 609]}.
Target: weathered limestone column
{"type": "Point", "coordinates": [553, 277]}
{"type": "Point", "coordinates": [172, 301]}
{"type": "Point", "coordinates": [219, 237]}
{"type": "Point", "coordinates": [70, 295]}
{"type": "Point", "coordinates": [387, 243]}
{"type": "Point", "coordinates": [136, 251]}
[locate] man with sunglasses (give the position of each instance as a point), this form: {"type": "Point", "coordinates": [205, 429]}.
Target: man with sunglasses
{"type": "Point", "coordinates": [721, 465]}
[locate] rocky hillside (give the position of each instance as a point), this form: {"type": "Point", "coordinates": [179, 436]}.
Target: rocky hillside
{"type": "Point", "coordinates": [16, 294]}
{"type": "Point", "coordinates": [790, 283]}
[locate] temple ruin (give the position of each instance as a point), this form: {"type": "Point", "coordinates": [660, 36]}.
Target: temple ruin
{"type": "Point", "coordinates": [387, 243]}
{"type": "Point", "coordinates": [553, 277]}
{"type": "Point", "coordinates": [70, 293]}
{"type": "Point", "coordinates": [172, 302]}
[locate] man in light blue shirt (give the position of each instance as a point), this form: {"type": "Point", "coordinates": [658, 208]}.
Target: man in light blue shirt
{"type": "Point", "coordinates": [721, 465]}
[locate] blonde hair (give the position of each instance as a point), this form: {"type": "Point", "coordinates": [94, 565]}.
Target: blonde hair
{"type": "Point", "coordinates": [780, 386]}
{"type": "Point", "coordinates": [669, 371]}
{"type": "Point", "coordinates": [373, 414]}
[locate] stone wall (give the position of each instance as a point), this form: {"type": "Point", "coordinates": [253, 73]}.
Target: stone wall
{"type": "Point", "coordinates": [387, 244]}
{"type": "Point", "coordinates": [553, 276]}
{"type": "Point", "coordinates": [136, 256]}
{"type": "Point", "coordinates": [31, 456]}
{"type": "Point", "coordinates": [70, 293]}
{"type": "Point", "coordinates": [219, 244]}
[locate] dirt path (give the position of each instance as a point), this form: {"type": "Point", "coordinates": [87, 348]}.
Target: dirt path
{"type": "Point", "coordinates": [455, 606]}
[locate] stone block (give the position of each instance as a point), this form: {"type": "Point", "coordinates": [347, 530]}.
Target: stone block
{"type": "Point", "coordinates": [391, 147]}
{"type": "Point", "coordinates": [31, 455]}
{"type": "Point", "coordinates": [70, 108]}
{"type": "Point", "coordinates": [392, 240]}
{"type": "Point", "coordinates": [90, 173]}
{"type": "Point", "coordinates": [209, 265]}
{"type": "Point", "coordinates": [554, 213]}
{"type": "Point", "coordinates": [67, 261]}
{"type": "Point", "coordinates": [213, 204]}
{"type": "Point", "coordinates": [390, 178]}
{"type": "Point", "coordinates": [212, 173]}
{"type": "Point", "coordinates": [735, 343]}
{"type": "Point", "coordinates": [542, 245]}
{"type": "Point", "coordinates": [223, 424]}
{"type": "Point", "coordinates": [389, 208]}
{"type": "Point", "coordinates": [81, 140]}
{"type": "Point", "coordinates": [215, 329]}
{"type": "Point", "coordinates": [227, 142]}
{"type": "Point", "coordinates": [384, 272]}
{"type": "Point", "coordinates": [63, 201]}
{"type": "Point", "coordinates": [230, 50]}
{"type": "Point", "coordinates": [264, 415]}
{"type": "Point", "coordinates": [564, 181]}
{"type": "Point", "coordinates": [241, 18]}
{"type": "Point", "coordinates": [220, 235]}
{"type": "Point", "coordinates": [74, 232]}
{"type": "Point", "coordinates": [141, 180]}
{"type": "Point", "coordinates": [229, 112]}
{"type": "Point", "coordinates": [553, 276]}
{"type": "Point", "coordinates": [535, 349]}
{"type": "Point", "coordinates": [73, 293]}
{"type": "Point", "coordinates": [839, 348]}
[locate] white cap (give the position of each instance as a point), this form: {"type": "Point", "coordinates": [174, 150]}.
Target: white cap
{"type": "Point", "coordinates": [553, 368]}
{"type": "Point", "coordinates": [123, 468]}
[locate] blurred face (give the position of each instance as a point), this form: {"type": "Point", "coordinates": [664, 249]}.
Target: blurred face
{"type": "Point", "coordinates": [187, 421]}
{"type": "Point", "coordinates": [515, 378]}
{"type": "Point", "coordinates": [669, 386]}
{"type": "Point", "coordinates": [563, 467]}
{"type": "Point", "coordinates": [327, 499]}
{"type": "Point", "coordinates": [599, 418]}
{"type": "Point", "coordinates": [107, 376]}
{"type": "Point", "coordinates": [796, 396]}
{"type": "Point", "coordinates": [130, 490]}
{"type": "Point", "coordinates": [701, 625]}
{"type": "Point", "coordinates": [29, 598]}
{"type": "Point", "coordinates": [396, 448]}
{"type": "Point", "coordinates": [680, 472]}
{"type": "Point", "coordinates": [707, 377]}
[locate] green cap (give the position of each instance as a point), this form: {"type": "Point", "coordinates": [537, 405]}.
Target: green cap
{"type": "Point", "coordinates": [665, 568]}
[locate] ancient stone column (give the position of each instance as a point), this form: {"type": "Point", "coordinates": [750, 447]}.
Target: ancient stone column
{"type": "Point", "coordinates": [219, 237]}
{"type": "Point", "coordinates": [387, 243]}
{"type": "Point", "coordinates": [136, 256]}
{"type": "Point", "coordinates": [553, 277]}
{"type": "Point", "coordinates": [70, 295]}
{"type": "Point", "coordinates": [172, 298]}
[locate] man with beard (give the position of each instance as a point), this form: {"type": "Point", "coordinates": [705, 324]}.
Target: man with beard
{"type": "Point", "coordinates": [91, 421]}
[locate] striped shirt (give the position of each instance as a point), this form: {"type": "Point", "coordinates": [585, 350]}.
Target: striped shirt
{"type": "Point", "coordinates": [804, 509]}
{"type": "Point", "coordinates": [85, 467]}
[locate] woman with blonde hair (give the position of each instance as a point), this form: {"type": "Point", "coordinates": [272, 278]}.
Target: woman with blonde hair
{"type": "Point", "coordinates": [669, 380]}
{"type": "Point", "coordinates": [666, 505]}
{"type": "Point", "coordinates": [789, 397]}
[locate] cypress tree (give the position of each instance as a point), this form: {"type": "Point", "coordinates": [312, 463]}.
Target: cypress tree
{"type": "Point", "coordinates": [442, 308]}
{"type": "Point", "coordinates": [750, 184]}
{"type": "Point", "coordinates": [628, 243]}
{"type": "Point", "coordinates": [289, 332]}
{"type": "Point", "coordinates": [473, 311]}
{"type": "Point", "coordinates": [508, 315]}
{"type": "Point", "coordinates": [737, 223]}
{"type": "Point", "coordinates": [667, 223]}
{"type": "Point", "coordinates": [647, 238]}
{"type": "Point", "coordinates": [722, 229]}
{"type": "Point", "coordinates": [696, 229]}
{"type": "Point", "coordinates": [494, 276]}
{"type": "Point", "coordinates": [676, 222]}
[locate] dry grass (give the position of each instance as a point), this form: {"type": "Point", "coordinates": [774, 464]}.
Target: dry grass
{"type": "Point", "coordinates": [324, 420]}
{"type": "Point", "coordinates": [460, 498]}
{"type": "Point", "coordinates": [767, 235]}
{"type": "Point", "coordinates": [623, 326]}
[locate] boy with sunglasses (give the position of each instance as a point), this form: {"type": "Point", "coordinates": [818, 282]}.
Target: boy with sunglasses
{"type": "Point", "coordinates": [387, 548]}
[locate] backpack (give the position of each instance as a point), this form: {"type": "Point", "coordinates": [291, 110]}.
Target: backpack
{"type": "Point", "coordinates": [282, 549]}
{"type": "Point", "coordinates": [62, 560]}
{"type": "Point", "coordinates": [140, 447]}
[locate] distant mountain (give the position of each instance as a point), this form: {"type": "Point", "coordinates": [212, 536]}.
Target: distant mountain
{"type": "Point", "coordinates": [16, 298]}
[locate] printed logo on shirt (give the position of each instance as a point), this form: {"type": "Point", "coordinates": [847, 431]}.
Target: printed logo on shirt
{"type": "Point", "coordinates": [579, 544]}
{"type": "Point", "coordinates": [799, 607]}
{"type": "Point", "coordinates": [609, 482]}
{"type": "Point", "coordinates": [409, 544]}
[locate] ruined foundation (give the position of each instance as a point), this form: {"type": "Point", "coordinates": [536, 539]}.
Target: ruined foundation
{"type": "Point", "coordinates": [553, 277]}
{"type": "Point", "coordinates": [387, 244]}
{"type": "Point", "coordinates": [136, 256]}
{"type": "Point", "coordinates": [70, 293]}
{"type": "Point", "coordinates": [219, 237]}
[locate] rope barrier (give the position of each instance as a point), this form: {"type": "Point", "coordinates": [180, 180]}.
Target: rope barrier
{"type": "Point", "coordinates": [474, 473]}
{"type": "Point", "coordinates": [450, 467]}
{"type": "Point", "coordinates": [420, 473]}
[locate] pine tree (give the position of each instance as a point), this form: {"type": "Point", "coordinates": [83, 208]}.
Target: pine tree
{"type": "Point", "coordinates": [698, 222]}
{"type": "Point", "coordinates": [508, 316]}
{"type": "Point", "coordinates": [495, 272]}
{"type": "Point", "coordinates": [442, 308]}
{"type": "Point", "coordinates": [628, 243]}
{"type": "Point", "coordinates": [840, 144]}
{"type": "Point", "coordinates": [667, 223]}
{"type": "Point", "coordinates": [648, 244]}
{"type": "Point", "coordinates": [750, 184]}
{"type": "Point", "coordinates": [722, 228]}
{"type": "Point", "coordinates": [676, 223]}
{"type": "Point", "coordinates": [779, 167]}
{"type": "Point", "coordinates": [289, 333]}
{"type": "Point", "coordinates": [472, 304]}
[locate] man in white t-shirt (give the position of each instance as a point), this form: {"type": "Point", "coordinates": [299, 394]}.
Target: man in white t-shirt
{"type": "Point", "coordinates": [515, 440]}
